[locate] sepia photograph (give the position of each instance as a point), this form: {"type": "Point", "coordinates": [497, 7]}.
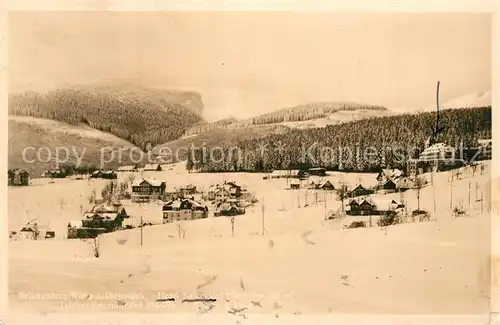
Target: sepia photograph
{"type": "Point", "coordinates": [249, 163]}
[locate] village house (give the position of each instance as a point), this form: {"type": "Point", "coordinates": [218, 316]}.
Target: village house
{"type": "Point", "coordinates": [485, 146]}
{"type": "Point", "coordinates": [18, 177]}
{"type": "Point", "coordinates": [233, 189]}
{"type": "Point", "coordinates": [152, 168]}
{"type": "Point", "coordinates": [55, 172]}
{"type": "Point", "coordinates": [183, 209]}
{"type": "Point", "coordinates": [388, 185]}
{"type": "Point", "coordinates": [389, 174]}
{"type": "Point", "coordinates": [124, 169]}
{"type": "Point", "coordinates": [371, 206]}
{"type": "Point", "coordinates": [404, 184]}
{"type": "Point", "coordinates": [187, 190]}
{"type": "Point", "coordinates": [229, 208]}
{"type": "Point", "coordinates": [314, 181]}
{"type": "Point", "coordinates": [170, 193]}
{"type": "Point", "coordinates": [221, 194]}
{"type": "Point", "coordinates": [100, 219]}
{"type": "Point", "coordinates": [33, 231]}
{"type": "Point", "coordinates": [317, 171]}
{"type": "Point", "coordinates": [109, 174]}
{"type": "Point", "coordinates": [29, 231]}
{"type": "Point", "coordinates": [105, 174]}
{"type": "Point", "coordinates": [211, 193]}
{"type": "Point", "coordinates": [295, 184]}
{"type": "Point", "coordinates": [145, 190]}
{"type": "Point", "coordinates": [436, 152]}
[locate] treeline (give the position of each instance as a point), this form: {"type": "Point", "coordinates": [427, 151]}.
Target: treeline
{"type": "Point", "coordinates": [141, 120]}
{"type": "Point", "coordinates": [298, 113]}
{"type": "Point", "coordinates": [205, 127]}
{"type": "Point", "coordinates": [304, 113]}
{"type": "Point", "coordinates": [363, 145]}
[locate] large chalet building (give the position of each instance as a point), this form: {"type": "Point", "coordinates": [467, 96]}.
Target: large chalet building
{"type": "Point", "coordinates": [145, 190]}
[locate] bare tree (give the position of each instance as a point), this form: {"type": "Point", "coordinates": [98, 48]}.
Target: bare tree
{"type": "Point", "coordinates": [92, 197]}
{"type": "Point", "coordinates": [418, 185]}
{"type": "Point", "coordinates": [342, 195]}
{"type": "Point", "coordinates": [96, 248]}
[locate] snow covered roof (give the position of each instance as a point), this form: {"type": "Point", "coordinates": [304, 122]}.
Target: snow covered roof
{"type": "Point", "coordinates": [126, 168]}
{"type": "Point", "coordinates": [437, 148]}
{"type": "Point", "coordinates": [177, 203]}
{"type": "Point", "coordinates": [325, 182]}
{"type": "Point", "coordinates": [285, 172]}
{"type": "Point", "coordinates": [152, 166]}
{"type": "Point", "coordinates": [75, 224]}
{"type": "Point", "coordinates": [380, 203]}
{"type": "Point", "coordinates": [102, 208]}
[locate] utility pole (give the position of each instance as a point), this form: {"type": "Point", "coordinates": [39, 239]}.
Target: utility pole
{"type": "Point", "coordinates": [263, 210]}
{"type": "Point", "coordinates": [142, 226]}
{"type": "Point", "coordinates": [451, 192]}
{"type": "Point", "coordinates": [232, 226]}
{"type": "Point", "coordinates": [325, 208]}
{"type": "Point", "coordinates": [482, 202]}
{"type": "Point", "coordinates": [433, 191]}
{"type": "Point", "coordinates": [469, 190]}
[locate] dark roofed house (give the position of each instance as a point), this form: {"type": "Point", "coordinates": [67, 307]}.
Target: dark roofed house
{"type": "Point", "coordinates": [294, 184]}
{"type": "Point", "coordinates": [293, 173]}
{"type": "Point", "coordinates": [388, 185]}
{"type": "Point", "coordinates": [18, 177]}
{"type": "Point", "coordinates": [353, 207]}
{"type": "Point", "coordinates": [54, 173]}
{"type": "Point", "coordinates": [360, 191]}
{"type": "Point", "coordinates": [130, 168]}
{"type": "Point", "coordinates": [109, 174]}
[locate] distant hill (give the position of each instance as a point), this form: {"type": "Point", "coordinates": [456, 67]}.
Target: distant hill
{"type": "Point", "coordinates": [477, 99]}
{"type": "Point", "coordinates": [177, 150]}
{"type": "Point", "coordinates": [81, 141]}
{"type": "Point", "coordinates": [134, 113]}
{"type": "Point", "coordinates": [472, 100]}
{"type": "Point", "coordinates": [303, 116]}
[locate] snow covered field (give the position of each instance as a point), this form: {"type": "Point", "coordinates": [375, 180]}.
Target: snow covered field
{"type": "Point", "coordinates": [302, 264]}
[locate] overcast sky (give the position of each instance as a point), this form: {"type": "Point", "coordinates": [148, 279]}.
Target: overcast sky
{"type": "Point", "coordinates": [244, 64]}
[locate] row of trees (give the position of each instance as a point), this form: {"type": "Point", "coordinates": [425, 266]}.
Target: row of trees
{"type": "Point", "coordinates": [141, 119]}
{"type": "Point", "coordinates": [113, 191]}
{"type": "Point", "coordinates": [364, 145]}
